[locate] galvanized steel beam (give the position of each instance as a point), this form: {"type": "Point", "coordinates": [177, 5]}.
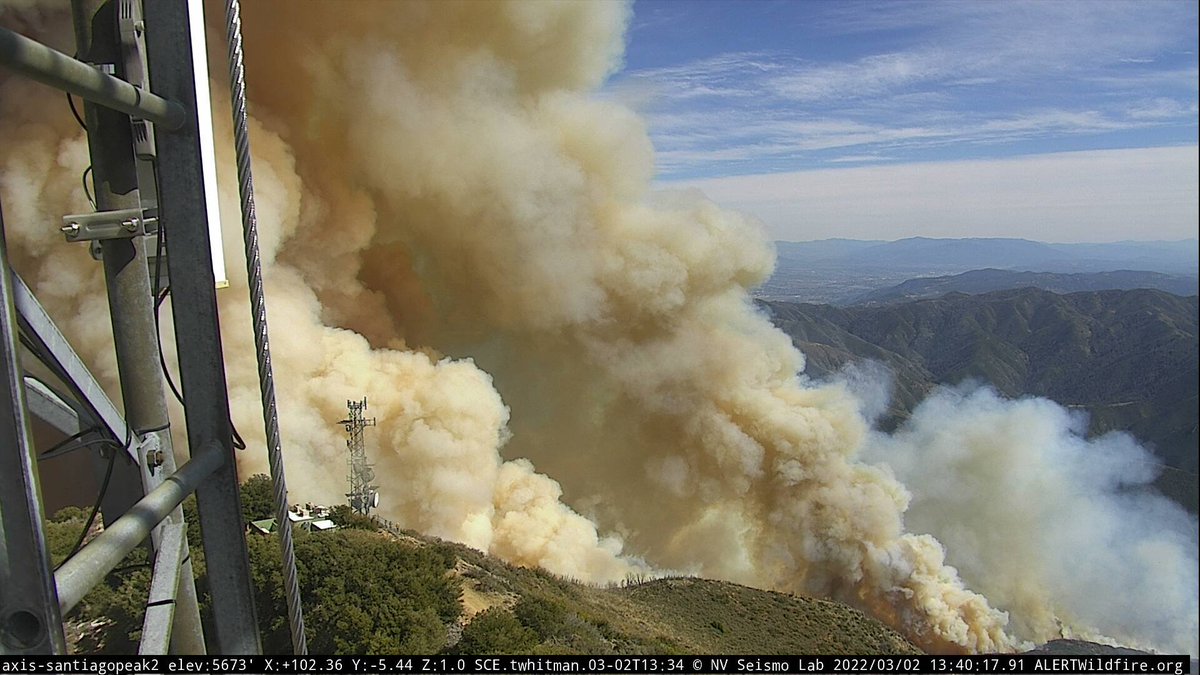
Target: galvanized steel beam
{"type": "Point", "coordinates": [197, 334]}
{"type": "Point", "coordinates": [40, 328]}
{"type": "Point", "coordinates": [47, 405]}
{"type": "Point", "coordinates": [164, 586]}
{"type": "Point", "coordinates": [30, 622]}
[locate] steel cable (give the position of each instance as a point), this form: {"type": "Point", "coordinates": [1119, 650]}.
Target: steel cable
{"type": "Point", "coordinates": [258, 310]}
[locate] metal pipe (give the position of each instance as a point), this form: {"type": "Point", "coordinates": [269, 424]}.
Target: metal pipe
{"type": "Point", "coordinates": [81, 573]}
{"type": "Point", "coordinates": [49, 66]}
{"type": "Point", "coordinates": [118, 174]}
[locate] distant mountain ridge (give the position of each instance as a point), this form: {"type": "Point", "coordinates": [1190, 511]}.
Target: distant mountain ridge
{"type": "Point", "coordinates": [839, 271]}
{"type": "Point", "coordinates": [976, 252]}
{"type": "Point", "coordinates": [1129, 358]}
{"type": "Point", "coordinates": [824, 249]}
{"type": "Point", "coordinates": [975, 282]}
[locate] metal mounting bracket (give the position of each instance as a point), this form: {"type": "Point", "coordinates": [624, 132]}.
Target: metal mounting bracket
{"type": "Point", "coordinates": [120, 224]}
{"type": "Point", "coordinates": [133, 51]}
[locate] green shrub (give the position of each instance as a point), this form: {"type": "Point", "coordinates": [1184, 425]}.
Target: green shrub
{"type": "Point", "coordinates": [546, 618]}
{"type": "Point", "coordinates": [68, 513]}
{"type": "Point", "coordinates": [258, 498]}
{"type": "Point", "coordinates": [349, 519]}
{"type": "Point", "coordinates": [496, 631]}
{"type": "Point", "coordinates": [362, 594]}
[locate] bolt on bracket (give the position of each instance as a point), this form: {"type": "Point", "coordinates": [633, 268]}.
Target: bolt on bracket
{"type": "Point", "coordinates": [120, 224]}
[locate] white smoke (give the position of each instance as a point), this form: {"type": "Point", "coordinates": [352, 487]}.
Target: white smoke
{"type": "Point", "coordinates": [1063, 533]}
{"type": "Point", "coordinates": [871, 383]}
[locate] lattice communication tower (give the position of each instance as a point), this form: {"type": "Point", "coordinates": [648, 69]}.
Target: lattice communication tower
{"type": "Point", "coordinates": [363, 494]}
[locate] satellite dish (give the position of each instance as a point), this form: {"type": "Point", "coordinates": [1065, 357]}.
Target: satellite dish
{"type": "Point", "coordinates": [374, 500]}
{"type": "Point", "coordinates": [368, 475]}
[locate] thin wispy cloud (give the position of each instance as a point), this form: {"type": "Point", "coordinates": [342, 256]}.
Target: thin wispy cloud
{"type": "Point", "coordinates": [1162, 108]}
{"type": "Point", "coordinates": [818, 84]}
{"type": "Point", "coordinates": [860, 159]}
{"type": "Point", "coordinates": [867, 77]}
{"type": "Point", "coordinates": [685, 142]}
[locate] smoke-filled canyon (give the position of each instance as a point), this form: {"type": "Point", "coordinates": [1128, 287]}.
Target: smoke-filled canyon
{"type": "Point", "coordinates": [566, 367]}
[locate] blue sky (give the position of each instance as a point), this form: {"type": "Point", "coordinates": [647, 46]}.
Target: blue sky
{"type": "Point", "coordinates": [1053, 120]}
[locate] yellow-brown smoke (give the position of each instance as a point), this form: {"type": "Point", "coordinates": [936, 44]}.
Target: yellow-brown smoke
{"type": "Point", "coordinates": [454, 228]}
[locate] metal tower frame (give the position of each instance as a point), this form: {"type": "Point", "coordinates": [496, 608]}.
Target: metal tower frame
{"type": "Point", "coordinates": [363, 495]}
{"type": "Point", "coordinates": [33, 597]}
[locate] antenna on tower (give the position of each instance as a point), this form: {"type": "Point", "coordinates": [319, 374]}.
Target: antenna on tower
{"type": "Point", "coordinates": [363, 495]}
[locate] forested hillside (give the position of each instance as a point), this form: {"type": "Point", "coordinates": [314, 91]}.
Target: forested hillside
{"type": "Point", "coordinates": [1127, 358]}
{"type": "Point", "coordinates": [372, 589]}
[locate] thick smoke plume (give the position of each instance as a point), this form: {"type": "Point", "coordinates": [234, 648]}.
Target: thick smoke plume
{"type": "Point", "coordinates": [567, 370]}
{"type": "Point", "coordinates": [1061, 532]}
